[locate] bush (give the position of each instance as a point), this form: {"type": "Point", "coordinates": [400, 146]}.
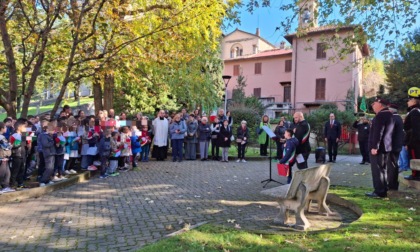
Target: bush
{"type": "Point", "coordinates": [318, 118]}
{"type": "Point", "coordinates": [251, 115]}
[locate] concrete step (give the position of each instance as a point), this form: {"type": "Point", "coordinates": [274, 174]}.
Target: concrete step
{"type": "Point", "coordinates": [36, 192]}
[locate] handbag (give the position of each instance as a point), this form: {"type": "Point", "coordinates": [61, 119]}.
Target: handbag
{"type": "Point", "coordinates": [232, 138]}
{"type": "Point", "coordinates": [283, 170]}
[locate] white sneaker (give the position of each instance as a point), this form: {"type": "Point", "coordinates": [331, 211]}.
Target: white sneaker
{"type": "Point", "coordinates": [67, 172]}
{"type": "Point", "coordinates": [237, 161]}
{"type": "Point", "coordinates": [56, 179]}
{"type": "Point", "coordinates": [7, 189]}
{"type": "Point", "coordinates": [73, 171]}
{"type": "Point", "coordinates": [50, 183]}
{"type": "Point", "coordinates": [243, 161]}
{"type": "Point", "coordinates": [63, 178]}
{"type": "Point", "coordinates": [42, 185]}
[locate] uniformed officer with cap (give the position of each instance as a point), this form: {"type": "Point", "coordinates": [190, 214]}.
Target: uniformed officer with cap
{"type": "Point", "coordinates": [412, 128]}
{"type": "Point", "coordinates": [380, 144]}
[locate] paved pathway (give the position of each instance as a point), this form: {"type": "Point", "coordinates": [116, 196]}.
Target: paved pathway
{"type": "Point", "coordinates": [124, 213]}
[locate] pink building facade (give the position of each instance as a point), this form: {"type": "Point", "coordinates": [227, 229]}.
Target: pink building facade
{"type": "Point", "coordinates": [301, 78]}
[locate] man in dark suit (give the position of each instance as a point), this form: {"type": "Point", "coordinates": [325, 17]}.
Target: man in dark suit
{"type": "Point", "coordinates": [332, 133]}
{"type": "Point", "coordinates": [380, 144]}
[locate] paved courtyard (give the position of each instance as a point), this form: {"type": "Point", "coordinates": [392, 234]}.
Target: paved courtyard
{"type": "Point", "coordinates": [139, 207]}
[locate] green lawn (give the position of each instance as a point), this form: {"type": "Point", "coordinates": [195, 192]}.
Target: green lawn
{"type": "Point", "coordinates": [70, 102]}
{"type": "Point", "coordinates": [386, 225]}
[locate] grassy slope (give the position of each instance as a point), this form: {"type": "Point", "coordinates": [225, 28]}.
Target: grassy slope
{"type": "Point", "coordinates": [386, 225]}
{"type": "Point", "coordinates": [70, 102]}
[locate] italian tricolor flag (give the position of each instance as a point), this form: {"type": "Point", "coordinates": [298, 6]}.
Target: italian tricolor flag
{"type": "Point", "coordinates": [16, 139]}
{"type": "Point", "coordinates": [62, 140]}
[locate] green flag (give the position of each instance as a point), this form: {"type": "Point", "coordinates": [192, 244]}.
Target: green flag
{"type": "Point", "coordinates": [363, 104]}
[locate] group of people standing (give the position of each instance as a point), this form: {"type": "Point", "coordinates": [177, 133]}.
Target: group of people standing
{"type": "Point", "coordinates": [187, 133]}
{"type": "Point", "coordinates": [389, 135]}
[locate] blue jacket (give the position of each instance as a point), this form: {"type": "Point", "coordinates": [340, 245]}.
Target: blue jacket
{"type": "Point", "coordinates": [177, 126]}
{"type": "Point", "coordinates": [48, 145]}
{"type": "Point", "coordinates": [104, 146]}
{"type": "Point", "coordinates": [135, 145]}
{"type": "Point", "coordinates": [203, 132]}
{"type": "Point", "coordinates": [289, 151]}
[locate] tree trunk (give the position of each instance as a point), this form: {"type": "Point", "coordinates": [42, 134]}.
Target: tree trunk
{"type": "Point", "coordinates": [31, 85]}
{"type": "Point", "coordinates": [109, 86]}
{"type": "Point", "coordinates": [10, 99]}
{"type": "Point", "coordinates": [76, 92]}
{"type": "Point", "coordinates": [97, 94]}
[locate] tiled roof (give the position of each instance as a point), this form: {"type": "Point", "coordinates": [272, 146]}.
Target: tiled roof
{"type": "Point", "coordinates": [326, 28]}
{"type": "Point", "coordinates": [268, 53]}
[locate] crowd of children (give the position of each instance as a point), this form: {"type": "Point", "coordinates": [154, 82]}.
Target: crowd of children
{"type": "Point", "coordinates": [55, 148]}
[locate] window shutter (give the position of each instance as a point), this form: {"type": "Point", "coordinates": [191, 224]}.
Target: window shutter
{"type": "Point", "coordinates": [288, 66]}
{"type": "Point", "coordinates": [257, 92]}
{"type": "Point", "coordinates": [258, 68]}
{"type": "Point", "coordinates": [236, 70]}
{"type": "Point", "coordinates": [320, 89]}
{"type": "Point", "coordinates": [320, 51]}
{"type": "Point", "coordinates": [287, 94]}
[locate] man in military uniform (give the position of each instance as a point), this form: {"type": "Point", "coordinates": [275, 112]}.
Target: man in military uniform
{"type": "Point", "coordinates": [380, 144]}
{"type": "Point", "coordinates": [397, 144]}
{"type": "Point", "coordinates": [412, 128]}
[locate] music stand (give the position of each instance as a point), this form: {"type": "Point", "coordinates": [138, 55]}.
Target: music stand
{"type": "Point", "coordinates": [272, 136]}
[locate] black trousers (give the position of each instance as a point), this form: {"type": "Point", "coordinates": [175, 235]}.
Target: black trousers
{"type": "Point", "coordinates": [392, 170]}
{"type": "Point", "coordinates": [364, 151]}
{"type": "Point", "coordinates": [18, 171]}
{"type": "Point", "coordinates": [241, 151]}
{"type": "Point", "coordinates": [214, 149]}
{"type": "Point", "coordinates": [264, 146]}
{"type": "Point", "coordinates": [304, 164]}
{"type": "Point", "coordinates": [41, 164]}
{"type": "Point", "coordinates": [332, 149]}
{"type": "Point", "coordinates": [280, 147]}
{"type": "Point", "coordinates": [379, 173]}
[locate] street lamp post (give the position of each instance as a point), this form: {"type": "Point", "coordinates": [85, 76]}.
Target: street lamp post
{"type": "Point", "coordinates": [226, 79]}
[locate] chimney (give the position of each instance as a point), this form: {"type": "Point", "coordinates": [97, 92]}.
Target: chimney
{"type": "Point", "coordinates": [282, 45]}
{"type": "Point", "coordinates": [258, 32]}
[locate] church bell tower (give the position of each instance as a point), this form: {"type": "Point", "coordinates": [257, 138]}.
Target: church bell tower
{"type": "Point", "coordinates": [308, 13]}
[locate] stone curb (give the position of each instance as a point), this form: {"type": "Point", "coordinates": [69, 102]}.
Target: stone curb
{"type": "Point", "coordinates": [331, 198]}
{"type": "Point", "coordinates": [335, 199]}
{"type": "Point", "coordinates": [39, 191]}
{"type": "Point", "coordinates": [410, 183]}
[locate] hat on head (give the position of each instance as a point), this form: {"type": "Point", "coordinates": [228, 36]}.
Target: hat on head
{"type": "Point", "coordinates": [382, 101]}
{"type": "Point", "coordinates": [414, 92]}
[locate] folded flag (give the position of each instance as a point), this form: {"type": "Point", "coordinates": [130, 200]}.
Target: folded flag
{"type": "Point", "coordinates": [16, 139]}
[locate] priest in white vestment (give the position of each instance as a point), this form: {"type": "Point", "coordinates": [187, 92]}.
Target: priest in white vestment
{"type": "Point", "coordinates": [160, 140]}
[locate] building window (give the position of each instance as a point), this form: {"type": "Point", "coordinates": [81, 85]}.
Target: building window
{"type": "Point", "coordinates": [257, 92]}
{"type": "Point", "coordinates": [254, 49]}
{"type": "Point", "coordinates": [320, 51]}
{"type": "Point", "coordinates": [320, 89]}
{"type": "Point", "coordinates": [258, 67]}
{"type": "Point", "coordinates": [232, 54]}
{"type": "Point", "coordinates": [236, 70]}
{"type": "Point", "coordinates": [288, 66]}
{"type": "Point", "coordinates": [239, 51]}
{"type": "Point", "coordinates": [287, 93]}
